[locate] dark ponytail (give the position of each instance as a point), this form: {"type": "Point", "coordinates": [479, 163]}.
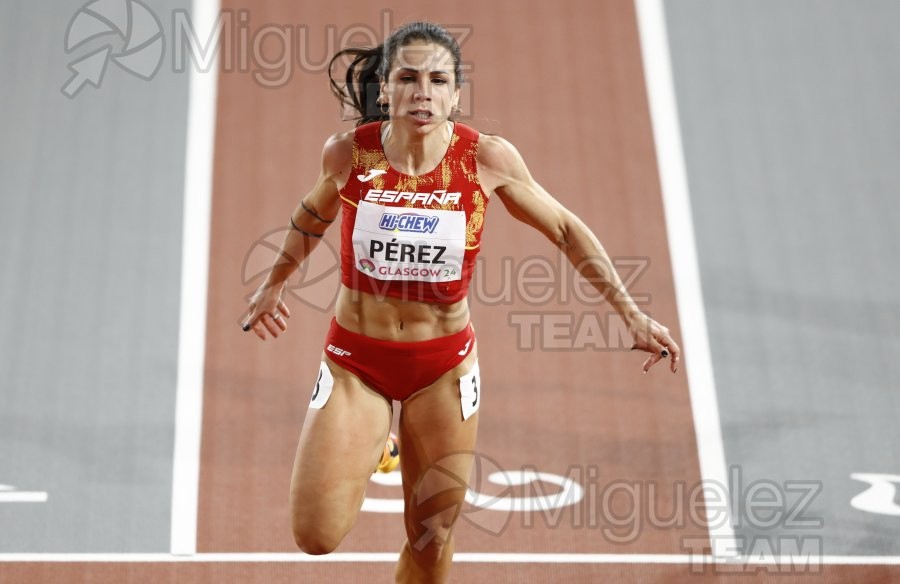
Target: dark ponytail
{"type": "Point", "coordinates": [362, 83]}
{"type": "Point", "coordinates": [370, 66]}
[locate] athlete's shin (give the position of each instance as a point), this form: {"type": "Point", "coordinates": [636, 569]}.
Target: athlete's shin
{"type": "Point", "coordinates": [431, 566]}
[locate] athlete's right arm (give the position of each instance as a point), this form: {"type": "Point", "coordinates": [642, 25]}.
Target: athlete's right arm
{"type": "Point", "coordinates": [315, 212]}
{"type": "Point", "coordinates": [310, 219]}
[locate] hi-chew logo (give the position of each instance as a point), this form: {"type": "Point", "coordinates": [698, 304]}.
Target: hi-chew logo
{"type": "Point", "coordinates": [408, 222]}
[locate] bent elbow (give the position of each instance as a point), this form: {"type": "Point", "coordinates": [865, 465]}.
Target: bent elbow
{"type": "Point", "coordinates": [561, 232]}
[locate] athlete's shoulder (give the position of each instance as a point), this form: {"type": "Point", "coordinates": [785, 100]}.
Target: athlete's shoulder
{"type": "Point", "coordinates": [343, 141]}
{"type": "Point", "coordinates": [467, 132]}
{"type": "Point", "coordinates": [368, 135]}
{"type": "Point", "coordinates": [337, 153]}
{"type": "Point", "coordinates": [497, 154]}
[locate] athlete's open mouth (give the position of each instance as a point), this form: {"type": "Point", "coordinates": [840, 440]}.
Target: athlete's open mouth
{"type": "Point", "coordinates": [421, 114]}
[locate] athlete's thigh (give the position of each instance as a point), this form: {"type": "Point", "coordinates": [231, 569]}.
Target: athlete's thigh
{"type": "Point", "coordinates": [339, 448]}
{"type": "Point", "coordinates": [436, 453]}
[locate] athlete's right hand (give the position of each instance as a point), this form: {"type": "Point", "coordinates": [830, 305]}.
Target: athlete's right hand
{"type": "Point", "coordinates": [268, 312]}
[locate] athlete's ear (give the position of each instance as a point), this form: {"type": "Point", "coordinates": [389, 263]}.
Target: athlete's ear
{"type": "Point", "coordinates": [382, 99]}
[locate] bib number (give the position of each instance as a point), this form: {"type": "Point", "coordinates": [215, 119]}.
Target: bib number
{"type": "Point", "coordinates": [322, 390]}
{"type": "Point", "coordinates": [470, 391]}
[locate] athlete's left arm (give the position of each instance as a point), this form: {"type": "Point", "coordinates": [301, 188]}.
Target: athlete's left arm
{"type": "Point", "coordinates": [502, 170]}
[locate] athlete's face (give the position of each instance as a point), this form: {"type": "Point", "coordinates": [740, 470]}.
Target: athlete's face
{"type": "Point", "coordinates": [421, 87]}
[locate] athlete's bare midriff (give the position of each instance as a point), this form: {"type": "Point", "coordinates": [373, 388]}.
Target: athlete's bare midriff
{"type": "Point", "coordinates": [395, 319]}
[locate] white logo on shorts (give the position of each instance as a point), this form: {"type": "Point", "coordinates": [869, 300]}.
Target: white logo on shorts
{"type": "Point", "coordinates": [338, 351]}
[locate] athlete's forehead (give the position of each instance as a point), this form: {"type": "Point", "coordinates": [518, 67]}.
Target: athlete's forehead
{"type": "Point", "coordinates": [423, 57]}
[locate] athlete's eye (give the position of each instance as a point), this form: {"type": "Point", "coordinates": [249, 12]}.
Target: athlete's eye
{"type": "Point", "coordinates": [439, 80]}
{"type": "Point", "coordinates": [407, 78]}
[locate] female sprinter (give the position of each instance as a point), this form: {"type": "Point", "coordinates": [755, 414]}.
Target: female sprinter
{"type": "Point", "coordinates": [411, 185]}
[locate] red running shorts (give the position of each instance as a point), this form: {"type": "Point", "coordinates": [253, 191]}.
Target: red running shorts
{"type": "Point", "coordinates": [397, 369]}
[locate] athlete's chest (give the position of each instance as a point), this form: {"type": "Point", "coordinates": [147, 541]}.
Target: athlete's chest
{"type": "Point", "coordinates": [441, 198]}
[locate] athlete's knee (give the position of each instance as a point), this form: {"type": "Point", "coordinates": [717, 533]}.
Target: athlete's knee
{"type": "Point", "coordinates": [314, 541]}
{"type": "Point", "coordinates": [430, 514]}
{"type": "Point", "coordinates": [316, 535]}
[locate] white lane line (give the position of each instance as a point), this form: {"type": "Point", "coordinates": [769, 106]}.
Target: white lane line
{"type": "Point", "coordinates": [880, 496]}
{"type": "Point", "coordinates": [9, 494]}
{"type": "Point", "coordinates": [201, 124]}
{"type": "Point", "coordinates": [683, 250]}
{"type": "Point", "coordinates": [24, 497]}
{"type": "Point", "coordinates": [461, 557]}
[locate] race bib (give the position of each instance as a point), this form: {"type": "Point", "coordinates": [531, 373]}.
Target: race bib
{"type": "Point", "coordinates": [403, 243]}
{"type": "Point", "coordinates": [322, 390]}
{"type": "Point", "coordinates": [470, 392]}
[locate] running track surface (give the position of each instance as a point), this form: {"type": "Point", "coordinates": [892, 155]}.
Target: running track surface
{"type": "Point", "coordinates": [628, 425]}
{"type": "Point", "coordinates": [215, 573]}
{"type": "Point", "coordinates": [580, 118]}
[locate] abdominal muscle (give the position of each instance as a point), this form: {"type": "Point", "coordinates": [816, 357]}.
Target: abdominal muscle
{"type": "Point", "coordinates": [395, 319]}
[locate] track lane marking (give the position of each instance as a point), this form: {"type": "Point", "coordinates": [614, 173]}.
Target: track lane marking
{"type": "Point", "coordinates": [9, 494]}
{"type": "Point", "coordinates": [461, 557]}
{"type": "Point", "coordinates": [201, 124]}
{"type": "Point", "coordinates": [683, 251]}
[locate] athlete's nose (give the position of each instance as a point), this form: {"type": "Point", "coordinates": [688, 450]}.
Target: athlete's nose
{"type": "Point", "coordinates": [422, 91]}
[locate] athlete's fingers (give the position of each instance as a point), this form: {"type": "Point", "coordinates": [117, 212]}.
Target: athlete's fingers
{"type": "Point", "coordinates": [258, 329]}
{"type": "Point", "coordinates": [270, 325]}
{"type": "Point", "coordinates": [650, 345]}
{"type": "Point", "coordinates": [675, 352]}
{"type": "Point", "coordinates": [654, 338]}
{"type": "Point", "coordinates": [651, 361]}
{"type": "Point", "coordinates": [280, 322]}
{"type": "Point", "coordinates": [283, 308]}
{"type": "Point", "coordinates": [247, 320]}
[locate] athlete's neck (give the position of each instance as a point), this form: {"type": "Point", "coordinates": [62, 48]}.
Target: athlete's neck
{"type": "Point", "coordinates": [414, 153]}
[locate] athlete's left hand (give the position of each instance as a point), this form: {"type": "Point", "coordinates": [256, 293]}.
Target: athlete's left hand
{"type": "Point", "coordinates": [654, 338]}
